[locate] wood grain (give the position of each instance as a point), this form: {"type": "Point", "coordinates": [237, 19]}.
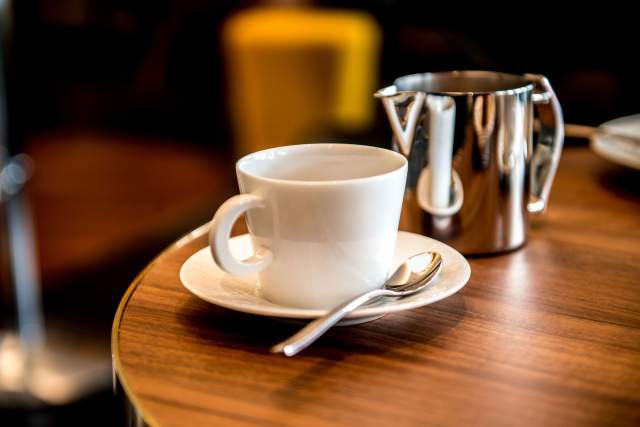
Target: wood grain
{"type": "Point", "coordinates": [547, 335]}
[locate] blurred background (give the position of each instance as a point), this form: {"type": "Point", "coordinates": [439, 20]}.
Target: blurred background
{"type": "Point", "coordinates": [133, 112]}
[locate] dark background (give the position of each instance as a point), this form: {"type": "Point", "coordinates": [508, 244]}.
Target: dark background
{"type": "Point", "coordinates": [156, 66]}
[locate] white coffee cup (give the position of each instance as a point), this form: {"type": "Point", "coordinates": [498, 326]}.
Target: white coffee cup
{"type": "Point", "coordinates": [323, 220]}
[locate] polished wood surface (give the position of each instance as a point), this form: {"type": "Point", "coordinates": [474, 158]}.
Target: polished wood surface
{"type": "Point", "coordinates": [546, 335]}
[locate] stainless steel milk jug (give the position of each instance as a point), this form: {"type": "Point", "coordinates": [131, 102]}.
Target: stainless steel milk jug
{"type": "Point", "coordinates": [477, 168]}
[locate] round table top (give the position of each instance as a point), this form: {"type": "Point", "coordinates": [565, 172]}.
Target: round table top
{"type": "Point", "coordinates": [546, 335]}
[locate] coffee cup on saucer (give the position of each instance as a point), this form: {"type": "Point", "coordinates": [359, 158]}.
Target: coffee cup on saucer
{"type": "Point", "coordinates": [322, 218]}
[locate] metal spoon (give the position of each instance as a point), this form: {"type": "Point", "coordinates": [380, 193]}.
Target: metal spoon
{"type": "Point", "coordinates": [413, 275]}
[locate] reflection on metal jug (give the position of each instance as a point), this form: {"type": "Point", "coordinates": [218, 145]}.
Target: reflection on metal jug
{"type": "Point", "coordinates": [475, 169]}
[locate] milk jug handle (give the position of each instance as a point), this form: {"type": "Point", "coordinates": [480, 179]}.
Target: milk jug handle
{"type": "Point", "coordinates": [546, 154]}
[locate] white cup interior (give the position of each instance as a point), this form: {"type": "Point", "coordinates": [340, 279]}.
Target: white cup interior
{"type": "Point", "coordinates": [321, 162]}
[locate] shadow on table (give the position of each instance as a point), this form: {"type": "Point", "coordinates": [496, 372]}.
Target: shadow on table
{"type": "Point", "coordinates": [407, 337]}
{"type": "Point", "coordinates": [256, 334]}
{"type": "Point", "coordinates": [621, 181]}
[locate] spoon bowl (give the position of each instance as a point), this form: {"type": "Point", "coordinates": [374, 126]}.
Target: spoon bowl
{"type": "Point", "coordinates": [414, 273]}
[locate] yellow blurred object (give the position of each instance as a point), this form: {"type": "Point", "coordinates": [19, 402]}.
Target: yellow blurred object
{"type": "Point", "coordinates": [294, 71]}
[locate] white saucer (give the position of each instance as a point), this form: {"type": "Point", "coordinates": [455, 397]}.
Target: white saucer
{"type": "Point", "coordinates": [622, 144]}
{"type": "Point", "coordinates": [202, 277]}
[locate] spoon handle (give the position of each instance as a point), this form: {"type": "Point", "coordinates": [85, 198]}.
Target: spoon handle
{"type": "Point", "coordinates": [314, 330]}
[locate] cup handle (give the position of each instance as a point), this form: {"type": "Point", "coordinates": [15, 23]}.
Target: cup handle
{"type": "Point", "coordinates": [220, 232]}
{"type": "Point", "coordinates": [546, 156]}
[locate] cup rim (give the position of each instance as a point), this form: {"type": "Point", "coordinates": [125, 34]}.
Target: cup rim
{"type": "Point", "coordinates": [281, 181]}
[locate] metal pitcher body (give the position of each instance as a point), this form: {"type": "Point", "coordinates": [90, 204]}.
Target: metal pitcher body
{"type": "Point", "coordinates": [477, 168]}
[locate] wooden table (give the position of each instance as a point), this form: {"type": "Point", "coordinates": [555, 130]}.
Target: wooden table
{"type": "Point", "coordinates": [547, 335]}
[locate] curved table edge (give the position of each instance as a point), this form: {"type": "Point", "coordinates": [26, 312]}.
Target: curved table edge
{"type": "Point", "coordinates": [117, 369]}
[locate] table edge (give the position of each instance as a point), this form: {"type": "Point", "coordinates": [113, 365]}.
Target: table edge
{"type": "Point", "coordinates": [116, 364]}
